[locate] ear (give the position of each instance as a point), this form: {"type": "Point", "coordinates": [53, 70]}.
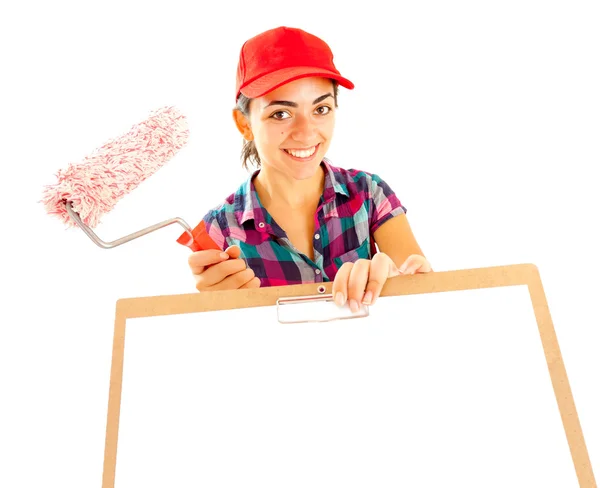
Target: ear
{"type": "Point", "coordinates": [243, 124]}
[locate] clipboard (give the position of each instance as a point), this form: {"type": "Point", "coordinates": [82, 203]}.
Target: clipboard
{"type": "Point", "coordinates": [284, 298]}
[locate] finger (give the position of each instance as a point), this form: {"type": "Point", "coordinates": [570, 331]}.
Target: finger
{"type": "Point", "coordinates": [253, 283]}
{"type": "Point", "coordinates": [359, 277]}
{"type": "Point", "coordinates": [234, 281]}
{"type": "Point", "coordinates": [218, 272]}
{"type": "Point", "coordinates": [199, 260]}
{"type": "Point", "coordinates": [412, 268]}
{"type": "Point", "coordinates": [382, 267]}
{"type": "Point", "coordinates": [339, 289]}
{"type": "Point", "coordinates": [234, 251]}
{"type": "Point", "coordinates": [416, 263]}
{"type": "Point", "coordinates": [425, 267]}
{"type": "Point", "coordinates": [413, 262]}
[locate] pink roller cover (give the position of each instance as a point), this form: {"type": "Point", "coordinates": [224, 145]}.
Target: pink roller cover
{"type": "Point", "coordinates": [96, 184]}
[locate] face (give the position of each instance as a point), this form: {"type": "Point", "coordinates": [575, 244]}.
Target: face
{"type": "Point", "coordinates": [292, 126]}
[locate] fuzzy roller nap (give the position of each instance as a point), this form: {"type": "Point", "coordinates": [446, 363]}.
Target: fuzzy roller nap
{"type": "Point", "coordinates": [90, 189]}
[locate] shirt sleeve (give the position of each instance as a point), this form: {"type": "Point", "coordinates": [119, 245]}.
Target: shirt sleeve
{"type": "Point", "coordinates": [385, 204]}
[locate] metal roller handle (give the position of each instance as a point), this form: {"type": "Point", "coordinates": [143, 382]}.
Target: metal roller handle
{"type": "Point", "coordinates": [109, 245]}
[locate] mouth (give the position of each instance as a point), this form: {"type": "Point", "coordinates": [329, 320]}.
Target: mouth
{"type": "Point", "coordinates": [303, 155]}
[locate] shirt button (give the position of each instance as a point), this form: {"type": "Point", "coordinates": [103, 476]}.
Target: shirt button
{"type": "Point", "coordinates": [261, 225]}
{"type": "Point", "coordinates": [317, 236]}
{"type": "Point", "coordinates": [318, 271]}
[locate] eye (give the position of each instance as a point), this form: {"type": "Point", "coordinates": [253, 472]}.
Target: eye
{"type": "Point", "coordinates": [323, 112]}
{"type": "Point", "coordinates": [276, 115]}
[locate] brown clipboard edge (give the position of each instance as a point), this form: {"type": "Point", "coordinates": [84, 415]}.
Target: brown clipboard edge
{"type": "Point", "coordinates": [434, 282]}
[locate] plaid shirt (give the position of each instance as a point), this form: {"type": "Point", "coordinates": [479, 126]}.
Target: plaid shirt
{"type": "Point", "coordinates": [353, 206]}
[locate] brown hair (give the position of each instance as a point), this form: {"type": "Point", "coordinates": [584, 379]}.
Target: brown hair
{"type": "Point", "coordinates": [249, 152]}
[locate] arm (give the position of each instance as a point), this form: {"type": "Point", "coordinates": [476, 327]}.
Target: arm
{"type": "Point", "coordinates": [396, 239]}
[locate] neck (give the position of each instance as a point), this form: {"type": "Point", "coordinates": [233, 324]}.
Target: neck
{"type": "Point", "coordinates": [293, 194]}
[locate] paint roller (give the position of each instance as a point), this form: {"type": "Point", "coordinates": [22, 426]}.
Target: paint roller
{"type": "Point", "coordinates": [88, 190]}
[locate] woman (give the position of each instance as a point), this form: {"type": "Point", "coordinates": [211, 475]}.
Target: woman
{"type": "Point", "coordinates": [298, 218]}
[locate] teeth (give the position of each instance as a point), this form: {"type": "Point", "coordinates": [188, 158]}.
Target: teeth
{"type": "Point", "coordinates": [304, 153]}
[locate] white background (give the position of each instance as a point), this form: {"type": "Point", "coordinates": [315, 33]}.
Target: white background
{"type": "Point", "coordinates": [482, 116]}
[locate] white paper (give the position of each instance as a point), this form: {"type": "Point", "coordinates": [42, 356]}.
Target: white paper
{"type": "Point", "coordinates": [433, 390]}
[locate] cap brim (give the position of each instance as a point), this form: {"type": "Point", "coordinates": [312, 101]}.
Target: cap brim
{"type": "Point", "coordinates": [269, 82]}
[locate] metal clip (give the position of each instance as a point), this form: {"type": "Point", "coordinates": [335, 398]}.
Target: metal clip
{"type": "Point", "coordinates": [319, 307]}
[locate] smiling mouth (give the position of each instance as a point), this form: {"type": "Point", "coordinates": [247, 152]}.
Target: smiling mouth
{"type": "Point", "coordinates": [302, 154]}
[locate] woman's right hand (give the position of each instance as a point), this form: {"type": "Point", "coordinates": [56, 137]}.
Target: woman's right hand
{"type": "Point", "coordinates": [221, 270]}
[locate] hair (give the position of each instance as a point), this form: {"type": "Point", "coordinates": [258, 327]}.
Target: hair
{"type": "Point", "coordinates": [249, 152]}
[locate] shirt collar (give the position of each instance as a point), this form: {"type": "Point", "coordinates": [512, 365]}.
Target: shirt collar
{"type": "Point", "coordinates": [247, 200]}
{"type": "Point", "coordinates": [332, 185]}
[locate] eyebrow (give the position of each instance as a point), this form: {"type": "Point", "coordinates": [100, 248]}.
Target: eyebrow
{"type": "Point", "coordinates": [294, 104]}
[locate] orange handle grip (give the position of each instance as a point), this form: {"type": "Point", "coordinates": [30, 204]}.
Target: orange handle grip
{"type": "Point", "coordinates": [202, 241]}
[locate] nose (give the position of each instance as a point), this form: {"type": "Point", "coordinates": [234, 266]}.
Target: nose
{"type": "Point", "coordinates": [304, 129]}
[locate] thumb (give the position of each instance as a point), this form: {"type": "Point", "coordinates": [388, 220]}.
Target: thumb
{"type": "Point", "coordinates": [234, 251]}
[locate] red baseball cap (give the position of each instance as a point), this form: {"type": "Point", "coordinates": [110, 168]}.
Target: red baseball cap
{"type": "Point", "coordinates": [278, 56]}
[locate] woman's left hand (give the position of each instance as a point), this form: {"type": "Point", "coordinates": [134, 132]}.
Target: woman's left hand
{"type": "Point", "coordinates": [362, 281]}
